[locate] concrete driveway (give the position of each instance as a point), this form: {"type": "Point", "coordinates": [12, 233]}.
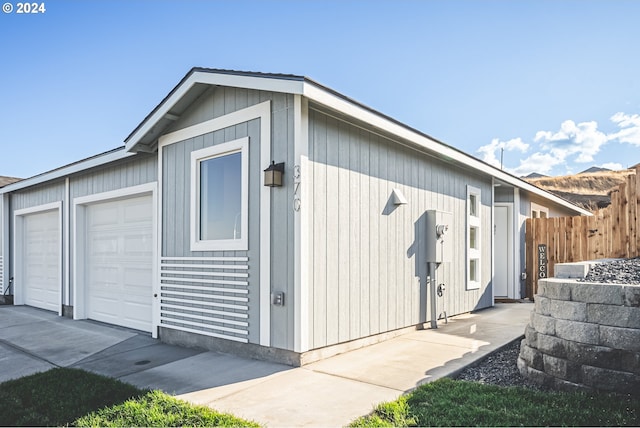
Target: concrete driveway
{"type": "Point", "coordinates": [330, 392]}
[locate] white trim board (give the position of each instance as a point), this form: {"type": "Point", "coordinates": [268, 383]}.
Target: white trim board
{"type": "Point", "coordinates": [301, 225]}
{"type": "Point", "coordinates": [260, 111]}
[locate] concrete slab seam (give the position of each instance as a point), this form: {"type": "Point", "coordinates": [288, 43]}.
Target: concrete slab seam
{"type": "Point", "coordinates": [26, 352]}
{"type": "Point", "coordinates": [352, 379]}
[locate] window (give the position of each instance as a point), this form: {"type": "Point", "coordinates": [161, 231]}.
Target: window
{"type": "Point", "coordinates": [473, 238]}
{"type": "Point", "coordinates": [473, 205]}
{"type": "Point", "coordinates": [538, 211]}
{"type": "Point", "coordinates": [219, 197]}
{"type": "Point", "coordinates": [474, 234]}
{"type": "Point", "coordinates": [473, 270]}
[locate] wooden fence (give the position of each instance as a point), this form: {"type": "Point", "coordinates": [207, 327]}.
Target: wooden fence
{"type": "Point", "coordinates": [612, 232]}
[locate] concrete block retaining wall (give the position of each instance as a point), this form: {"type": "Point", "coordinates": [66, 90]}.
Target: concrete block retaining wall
{"type": "Point", "coordinates": [583, 336]}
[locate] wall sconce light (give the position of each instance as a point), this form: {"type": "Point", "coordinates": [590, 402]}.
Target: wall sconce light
{"type": "Point", "coordinates": [273, 174]}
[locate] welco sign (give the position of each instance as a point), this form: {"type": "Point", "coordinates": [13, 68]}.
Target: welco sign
{"type": "Point", "coordinates": [542, 261]}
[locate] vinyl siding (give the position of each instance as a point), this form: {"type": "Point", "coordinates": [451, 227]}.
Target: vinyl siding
{"type": "Point", "coordinates": [503, 194]}
{"type": "Point", "coordinates": [367, 256]}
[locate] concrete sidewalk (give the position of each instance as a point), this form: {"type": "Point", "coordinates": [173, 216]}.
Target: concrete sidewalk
{"type": "Point", "coordinates": [331, 392]}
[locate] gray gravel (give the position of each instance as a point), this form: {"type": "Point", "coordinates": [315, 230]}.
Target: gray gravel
{"type": "Point", "coordinates": [624, 271]}
{"type": "Point", "coordinates": [499, 368]}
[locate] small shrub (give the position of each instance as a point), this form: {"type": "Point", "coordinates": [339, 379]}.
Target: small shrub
{"type": "Point", "coordinates": [157, 409]}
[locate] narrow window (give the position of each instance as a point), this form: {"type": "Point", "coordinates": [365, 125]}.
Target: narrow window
{"type": "Point", "coordinates": [219, 200]}
{"type": "Point", "coordinates": [474, 241]}
{"type": "Point", "coordinates": [473, 238]}
{"type": "Point", "coordinates": [473, 270]}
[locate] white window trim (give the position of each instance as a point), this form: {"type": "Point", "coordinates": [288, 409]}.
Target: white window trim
{"type": "Point", "coordinates": [474, 253]}
{"type": "Point", "coordinates": [240, 145]}
{"type": "Point", "coordinates": [539, 209]}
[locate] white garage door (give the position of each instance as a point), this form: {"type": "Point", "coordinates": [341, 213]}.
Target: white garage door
{"type": "Point", "coordinates": [118, 262]}
{"type": "Point", "coordinates": [41, 251]}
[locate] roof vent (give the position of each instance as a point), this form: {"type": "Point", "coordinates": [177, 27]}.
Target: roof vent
{"type": "Point", "coordinates": [397, 198]}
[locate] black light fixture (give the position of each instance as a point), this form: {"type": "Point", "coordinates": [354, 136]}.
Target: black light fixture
{"type": "Point", "coordinates": [273, 174]}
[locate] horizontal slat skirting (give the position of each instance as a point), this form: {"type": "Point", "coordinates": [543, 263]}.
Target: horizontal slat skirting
{"type": "Point", "coordinates": [168, 312]}
{"type": "Point", "coordinates": [173, 280]}
{"type": "Point", "coordinates": [203, 266]}
{"type": "Point", "coordinates": [185, 319]}
{"type": "Point", "coordinates": [201, 300]}
{"type": "Point", "coordinates": [207, 288]}
{"type": "Point", "coordinates": [168, 303]}
{"type": "Point", "coordinates": [178, 326]}
{"type": "Point", "coordinates": [187, 294]}
{"type": "Point", "coordinates": [206, 259]}
{"type": "Point", "coordinates": [206, 295]}
{"type": "Point", "coordinates": [194, 273]}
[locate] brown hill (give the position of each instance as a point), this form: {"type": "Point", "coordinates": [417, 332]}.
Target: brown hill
{"type": "Point", "coordinates": [7, 180]}
{"type": "Point", "coordinates": [589, 190]}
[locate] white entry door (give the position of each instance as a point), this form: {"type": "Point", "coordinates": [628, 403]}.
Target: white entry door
{"type": "Point", "coordinates": [40, 264]}
{"type": "Point", "coordinates": [119, 262]}
{"type": "Point", "coordinates": [503, 252]}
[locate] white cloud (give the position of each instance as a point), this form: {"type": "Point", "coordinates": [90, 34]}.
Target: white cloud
{"type": "Point", "coordinates": [614, 166]}
{"type": "Point", "coordinates": [630, 128]}
{"type": "Point", "coordinates": [541, 163]}
{"type": "Point", "coordinates": [489, 152]}
{"type": "Point", "coordinates": [582, 139]}
{"type": "Point", "coordinates": [572, 143]}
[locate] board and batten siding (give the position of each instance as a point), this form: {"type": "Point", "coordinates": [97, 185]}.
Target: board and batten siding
{"type": "Point", "coordinates": [368, 270]}
{"type": "Point", "coordinates": [133, 171]}
{"type": "Point", "coordinates": [139, 169]}
{"type": "Point", "coordinates": [176, 176]}
{"type": "Point", "coordinates": [2, 244]}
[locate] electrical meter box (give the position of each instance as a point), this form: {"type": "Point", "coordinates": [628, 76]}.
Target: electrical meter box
{"type": "Point", "coordinates": [439, 239]}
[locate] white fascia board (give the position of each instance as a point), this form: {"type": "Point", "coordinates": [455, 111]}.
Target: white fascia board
{"type": "Point", "coordinates": [217, 79]}
{"type": "Point", "coordinates": [335, 102]}
{"type": "Point", "coordinates": [67, 170]}
{"type": "Point", "coordinates": [271, 84]}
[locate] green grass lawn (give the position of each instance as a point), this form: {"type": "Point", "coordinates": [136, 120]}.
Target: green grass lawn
{"type": "Point", "coordinates": [448, 402]}
{"type": "Point", "coordinates": [61, 397]}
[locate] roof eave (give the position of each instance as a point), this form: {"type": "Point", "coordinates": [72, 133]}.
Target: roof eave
{"type": "Point", "coordinates": [283, 83]}
{"type": "Point", "coordinates": [65, 171]}
{"type": "Point", "coordinates": [336, 101]}
{"type": "Point", "coordinates": [299, 85]}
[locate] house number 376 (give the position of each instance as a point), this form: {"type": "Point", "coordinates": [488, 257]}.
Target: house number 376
{"type": "Point", "coordinates": [296, 182]}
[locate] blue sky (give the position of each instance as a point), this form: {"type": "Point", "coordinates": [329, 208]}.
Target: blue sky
{"type": "Point", "coordinates": [555, 84]}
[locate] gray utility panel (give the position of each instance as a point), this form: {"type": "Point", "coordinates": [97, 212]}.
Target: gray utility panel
{"type": "Point", "coordinates": [439, 236]}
